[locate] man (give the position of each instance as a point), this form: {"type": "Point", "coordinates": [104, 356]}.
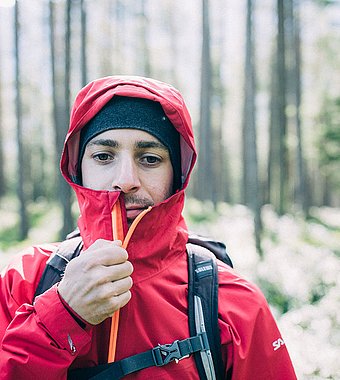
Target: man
{"type": "Point", "coordinates": [128, 156]}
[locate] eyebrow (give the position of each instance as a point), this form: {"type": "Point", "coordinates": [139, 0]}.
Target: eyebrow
{"type": "Point", "coordinates": [143, 144]}
{"type": "Point", "coordinates": [104, 142]}
{"type": "Point", "coordinates": [150, 144]}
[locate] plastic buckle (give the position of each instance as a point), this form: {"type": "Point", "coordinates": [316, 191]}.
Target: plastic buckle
{"type": "Point", "coordinates": [165, 353]}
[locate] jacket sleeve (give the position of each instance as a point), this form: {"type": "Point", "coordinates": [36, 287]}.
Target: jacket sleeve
{"type": "Point", "coordinates": [39, 340]}
{"type": "Point", "coordinates": [251, 340]}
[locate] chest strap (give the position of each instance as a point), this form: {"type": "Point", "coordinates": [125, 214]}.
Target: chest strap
{"type": "Point", "coordinates": [157, 356]}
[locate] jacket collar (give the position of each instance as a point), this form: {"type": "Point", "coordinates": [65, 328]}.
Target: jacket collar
{"type": "Point", "coordinates": [156, 241]}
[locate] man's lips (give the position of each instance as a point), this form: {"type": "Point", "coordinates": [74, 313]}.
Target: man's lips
{"type": "Point", "coordinates": [134, 211]}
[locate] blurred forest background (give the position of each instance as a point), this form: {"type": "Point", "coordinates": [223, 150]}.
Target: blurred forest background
{"type": "Point", "coordinates": [261, 80]}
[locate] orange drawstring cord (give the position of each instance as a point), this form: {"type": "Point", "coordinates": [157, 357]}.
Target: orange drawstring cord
{"type": "Point", "coordinates": [134, 225]}
{"type": "Point", "coordinates": [118, 234]}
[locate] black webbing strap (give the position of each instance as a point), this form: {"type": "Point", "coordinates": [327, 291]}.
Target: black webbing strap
{"type": "Point", "coordinates": [56, 264]}
{"type": "Point", "coordinates": [203, 284]}
{"type": "Point", "coordinates": [158, 356]}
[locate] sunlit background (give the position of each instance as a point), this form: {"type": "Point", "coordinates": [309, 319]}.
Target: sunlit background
{"type": "Point", "coordinates": [282, 224]}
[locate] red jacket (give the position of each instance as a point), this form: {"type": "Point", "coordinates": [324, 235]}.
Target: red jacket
{"type": "Point", "coordinates": [40, 339]}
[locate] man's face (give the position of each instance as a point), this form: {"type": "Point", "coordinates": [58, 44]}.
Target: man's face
{"type": "Point", "coordinates": [131, 161]}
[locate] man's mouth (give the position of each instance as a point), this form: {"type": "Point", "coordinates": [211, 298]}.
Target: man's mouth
{"type": "Point", "coordinates": [134, 206]}
{"type": "Point", "coordinates": [133, 211]}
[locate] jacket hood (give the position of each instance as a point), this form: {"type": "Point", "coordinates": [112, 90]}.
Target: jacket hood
{"type": "Point", "coordinates": [96, 206]}
{"type": "Point", "coordinates": [92, 98]}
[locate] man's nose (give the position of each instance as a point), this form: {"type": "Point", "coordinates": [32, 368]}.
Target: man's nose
{"type": "Point", "coordinates": [126, 177]}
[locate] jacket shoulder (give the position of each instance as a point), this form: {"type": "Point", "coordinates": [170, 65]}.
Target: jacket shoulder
{"type": "Point", "coordinates": [248, 327]}
{"type": "Point", "coordinates": [19, 279]}
{"type": "Point", "coordinates": [233, 283]}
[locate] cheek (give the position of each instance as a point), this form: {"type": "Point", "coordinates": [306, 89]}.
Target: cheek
{"type": "Point", "coordinates": [168, 186]}
{"type": "Point", "coordinates": [159, 186]}
{"type": "Point", "coordinates": [168, 182]}
{"type": "Point", "coordinates": [95, 178]}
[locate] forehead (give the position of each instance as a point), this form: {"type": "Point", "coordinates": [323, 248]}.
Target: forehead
{"type": "Point", "coordinates": [124, 137]}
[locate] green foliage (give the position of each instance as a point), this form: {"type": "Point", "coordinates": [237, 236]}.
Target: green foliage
{"type": "Point", "coordinates": [318, 220]}
{"type": "Point", "coordinates": [9, 236]}
{"type": "Point", "coordinates": [329, 142]}
{"type": "Point", "coordinates": [200, 212]}
{"type": "Point", "coordinates": [318, 292]}
{"type": "Point", "coordinates": [275, 295]}
{"type": "Point", "coordinates": [9, 228]}
{"type": "Point", "coordinates": [325, 2]}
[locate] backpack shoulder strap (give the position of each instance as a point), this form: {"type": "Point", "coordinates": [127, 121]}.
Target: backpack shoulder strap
{"type": "Point", "coordinates": [216, 247]}
{"type": "Point", "coordinates": [203, 309]}
{"type": "Point", "coordinates": [158, 356]}
{"type": "Point", "coordinates": [56, 264]}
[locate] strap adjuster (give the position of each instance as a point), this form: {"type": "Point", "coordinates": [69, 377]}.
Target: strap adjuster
{"type": "Point", "coordinates": [157, 356]}
{"type": "Point", "coordinates": [165, 353]}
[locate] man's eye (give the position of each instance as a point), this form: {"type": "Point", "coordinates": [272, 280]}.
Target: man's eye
{"type": "Point", "coordinates": [102, 157]}
{"type": "Point", "coordinates": [150, 160]}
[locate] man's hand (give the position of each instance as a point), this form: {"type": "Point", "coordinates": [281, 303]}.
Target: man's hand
{"type": "Point", "coordinates": [98, 282]}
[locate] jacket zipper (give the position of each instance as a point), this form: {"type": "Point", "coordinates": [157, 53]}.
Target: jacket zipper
{"type": "Point", "coordinates": [115, 317]}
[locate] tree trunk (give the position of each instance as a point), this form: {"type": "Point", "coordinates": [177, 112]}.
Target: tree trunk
{"type": "Point", "coordinates": [251, 195]}
{"type": "Point", "coordinates": [65, 188]}
{"type": "Point", "coordinates": [38, 158]}
{"type": "Point", "coordinates": [174, 38]}
{"type": "Point", "coordinates": [281, 97]}
{"type": "Point", "coordinates": [55, 98]}
{"type": "Point", "coordinates": [222, 180]}
{"type": "Point", "coordinates": [118, 11]}
{"type": "Point", "coordinates": [205, 169]}
{"type": "Point", "coordinates": [83, 30]}
{"type": "Point", "coordinates": [61, 110]}
{"type": "Point", "coordinates": [146, 61]}
{"type": "Point", "coordinates": [23, 226]}
{"type": "Point", "coordinates": [301, 193]}
{"type": "Point", "coordinates": [2, 161]}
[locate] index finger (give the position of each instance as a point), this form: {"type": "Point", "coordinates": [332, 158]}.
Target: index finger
{"type": "Point", "coordinates": [105, 252]}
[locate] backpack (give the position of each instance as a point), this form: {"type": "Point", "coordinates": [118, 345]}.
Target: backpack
{"type": "Point", "coordinates": [204, 342]}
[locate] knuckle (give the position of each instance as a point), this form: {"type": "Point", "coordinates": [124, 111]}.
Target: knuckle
{"type": "Point", "coordinates": [104, 279]}
{"type": "Point", "coordinates": [129, 267]}
{"type": "Point", "coordinates": [116, 289]}
{"type": "Point", "coordinates": [129, 282]}
{"type": "Point", "coordinates": [113, 305]}
{"type": "Point", "coordinates": [83, 260]}
{"type": "Point", "coordinates": [121, 286]}
{"type": "Point", "coordinates": [73, 263]}
{"type": "Point", "coordinates": [121, 254]}
{"type": "Point", "coordinates": [122, 300]}
{"type": "Point", "coordinates": [88, 264]}
{"type": "Point", "coordinates": [93, 246]}
{"type": "Point", "coordinates": [128, 296]}
{"type": "Point", "coordinates": [102, 294]}
{"type": "Point", "coordinates": [125, 253]}
{"type": "Point", "coordinates": [99, 242]}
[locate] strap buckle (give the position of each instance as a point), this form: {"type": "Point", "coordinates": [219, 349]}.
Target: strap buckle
{"type": "Point", "coordinates": [165, 353]}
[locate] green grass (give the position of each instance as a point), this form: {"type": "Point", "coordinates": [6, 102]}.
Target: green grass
{"type": "Point", "coordinates": [315, 219]}
{"type": "Point", "coordinates": [10, 230]}
{"type": "Point", "coordinates": [9, 236]}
